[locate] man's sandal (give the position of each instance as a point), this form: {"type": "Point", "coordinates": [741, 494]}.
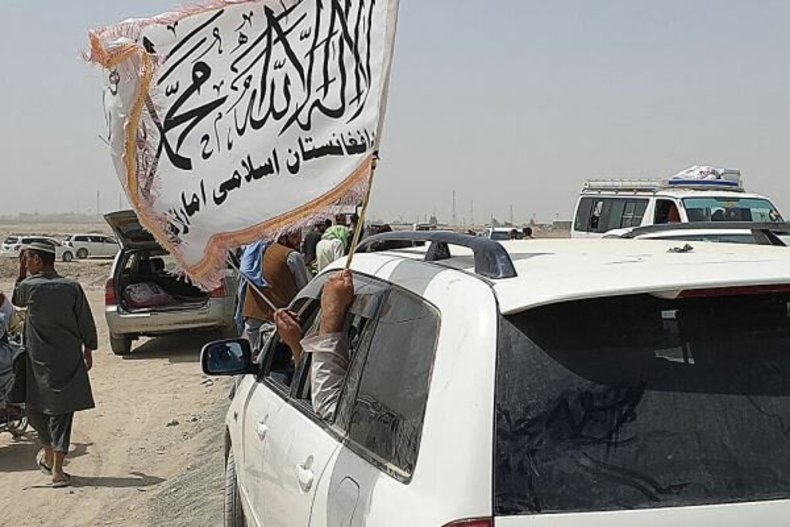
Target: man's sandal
{"type": "Point", "coordinates": [42, 464]}
{"type": "Point", "coordinates": [62, 482]}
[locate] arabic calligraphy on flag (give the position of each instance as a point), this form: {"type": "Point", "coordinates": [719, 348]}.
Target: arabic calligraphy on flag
{"type": "Point", "coordinates": [237, 120]}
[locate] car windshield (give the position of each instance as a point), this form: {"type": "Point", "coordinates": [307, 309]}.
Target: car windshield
{"type": "Point", "coordinates": [731, 209]}
{"type": "Point", "coordinates": [11, 239]}
{"type": "Point", "coordinates": [638, 402]}
{"type": "Point", "coordinates": [500, 235]}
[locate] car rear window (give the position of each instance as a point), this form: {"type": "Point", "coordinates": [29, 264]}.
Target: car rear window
{"type": "Point", "coordinates": [638, 402]}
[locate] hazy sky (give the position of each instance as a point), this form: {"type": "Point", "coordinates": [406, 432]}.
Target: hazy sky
{"type": "Point", "coordinates": [513, 102]}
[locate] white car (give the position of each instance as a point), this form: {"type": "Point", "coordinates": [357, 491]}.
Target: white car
{"type": "Point", "coordinates": [92, 245]}
{"type": "Point", "coordinates": [720, 232]}
{"type": "Point", "coordinates": [14, 243]}
{"type": "Point", "coordinates": [529, 383]}
{"type": "Point", "coordinates": [608, 204]}
{"type": "Point", "coordinates": [499, 233]}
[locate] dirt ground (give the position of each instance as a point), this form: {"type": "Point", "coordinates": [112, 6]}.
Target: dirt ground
{"type": "Point", "coordinates": [149, 454]}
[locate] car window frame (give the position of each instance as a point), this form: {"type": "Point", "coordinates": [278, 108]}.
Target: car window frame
{"type": "Point", "coordinates": [311, 295]}
{"type": "Point", "coordinates": [263, 376]}
{"type": "Point", "coordinates": [346, 401]}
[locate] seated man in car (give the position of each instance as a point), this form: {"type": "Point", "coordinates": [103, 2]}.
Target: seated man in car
{"type": "Point", "coordinates": [329, 348]}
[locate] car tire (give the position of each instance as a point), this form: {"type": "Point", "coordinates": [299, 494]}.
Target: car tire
{"type": "Point", "coordinates": [120, 345]}
{"type": "Point", "coordinates": [67, 256]}
{"type": "Point", "coordinates": [234, 513]}
{"type": "Point", "coordinates": [82, 254]}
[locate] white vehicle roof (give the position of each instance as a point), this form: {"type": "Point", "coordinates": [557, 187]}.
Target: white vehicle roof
{"type": "Point", "coordinates": [552, 271]}
{"type": "Point", "coordinates": [677, 193]}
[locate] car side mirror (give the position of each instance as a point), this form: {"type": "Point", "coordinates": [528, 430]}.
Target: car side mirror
{"type": "Point", "coordinates": [226, 357]}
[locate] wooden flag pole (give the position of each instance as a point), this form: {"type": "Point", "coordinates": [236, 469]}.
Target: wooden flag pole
{"type": "Point", "coordinates": [363, 212]}
{"type": "Point", "coordinates": [253, 286]}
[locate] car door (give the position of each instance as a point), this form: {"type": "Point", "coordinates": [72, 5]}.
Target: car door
{"type": "Point", "coordinates": [301, 443]}
{"type": "Point", "coordinates": [263, 403]}
{"type": "Point", "coordinates": [382, 414]}
{"type": "Point", "coordinates": [96, 245]}
{"type": "Point", "coordinates": [109, 247]}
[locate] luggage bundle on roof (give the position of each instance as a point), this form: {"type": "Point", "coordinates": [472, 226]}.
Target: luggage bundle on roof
{"type": "Point", "coordinates": [696, 177]}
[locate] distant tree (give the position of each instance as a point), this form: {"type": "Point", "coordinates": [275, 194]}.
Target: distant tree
{"type": "Point", "coordinates": [495, 222]}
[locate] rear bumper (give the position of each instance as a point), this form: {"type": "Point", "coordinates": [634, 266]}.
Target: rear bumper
{"type": "Point", "coordinates": [216, 313]}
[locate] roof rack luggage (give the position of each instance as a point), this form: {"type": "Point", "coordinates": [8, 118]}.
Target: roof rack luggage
{"type": "Point", "coordinates": [729, 180]}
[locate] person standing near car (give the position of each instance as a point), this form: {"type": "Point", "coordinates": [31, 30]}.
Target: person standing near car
{"type": "Point", "coordinates": [280, 273]}
{"type": "Point", "coordinates": [333, 245]}
{"type": "Point", "coordinates": [60, 336]}
{"type": "Point", "coordinates": [311, 240]}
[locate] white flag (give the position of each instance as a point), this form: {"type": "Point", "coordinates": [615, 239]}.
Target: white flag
{"type": "Point", "coordinates": [238, 120]}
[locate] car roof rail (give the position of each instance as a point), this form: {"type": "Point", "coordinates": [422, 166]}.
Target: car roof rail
{"type": "Point", "coordinates": [491, 258]}
{"type": "Point", "coordinates": [767, 230]}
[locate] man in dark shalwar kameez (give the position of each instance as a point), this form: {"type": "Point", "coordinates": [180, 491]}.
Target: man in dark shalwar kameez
{"type": "Point", "coordinates": [60, 336]}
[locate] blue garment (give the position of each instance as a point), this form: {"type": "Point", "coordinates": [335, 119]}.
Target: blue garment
{"type": "Point", "coordinates": [251, 268]}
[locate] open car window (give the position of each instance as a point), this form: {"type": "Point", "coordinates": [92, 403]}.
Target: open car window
{"type": "Point", "coordinates": [358, 327]}
{"type": "Point", "coordinates": [277, 366]}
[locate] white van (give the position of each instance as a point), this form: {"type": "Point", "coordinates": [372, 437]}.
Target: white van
{"type": "Point", "coordinates": [609, 204]}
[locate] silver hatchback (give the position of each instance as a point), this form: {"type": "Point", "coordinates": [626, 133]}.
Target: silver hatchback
{"type": "Point", "coordinates": [145, 297]}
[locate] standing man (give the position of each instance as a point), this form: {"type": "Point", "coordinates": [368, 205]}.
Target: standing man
{"type": "Point", "coordinates": [60, 336]}
{"type": "Point", "coordinates": [311, 241]}
{"type": "Point", "coordinates": [333, 245]}
{"type": "Point", "coordinates": [279, 271]}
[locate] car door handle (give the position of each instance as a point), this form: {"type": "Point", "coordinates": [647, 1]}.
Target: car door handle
{"type": "Point", "coordinates": [305, 477]}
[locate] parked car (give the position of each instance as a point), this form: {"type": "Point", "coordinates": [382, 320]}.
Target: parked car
{"type": "Point", "coordinates": [144, 296]}
{"type": "Point", "coordinates": [92, 245]}
{"type": "Point", "coordinates": [14, 243]}
{"type": "Point", "coordinates": [608, 204]}
{"type": "Point", "coordinates": [542, 382]}
{"type": "Point", "coordinates": [720, 232]}
{"type": "Point", "coordinates": [499, 233]}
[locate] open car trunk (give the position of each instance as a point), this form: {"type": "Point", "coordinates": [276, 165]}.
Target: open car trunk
{"type": "Point", "coordinates": [145, 283]}
{"type": "Point", "coordinates": [145, 280]}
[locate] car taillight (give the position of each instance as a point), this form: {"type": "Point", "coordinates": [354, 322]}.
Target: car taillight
{"type": "Point", "coordinates": [110, 298]}
{"type": "Point", "coordinates": [477, 522]}
{"type": "Point", "coordinates": [220, 292]}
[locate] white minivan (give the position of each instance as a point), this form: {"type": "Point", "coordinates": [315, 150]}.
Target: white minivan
{"type": "Point", "coordinates": [549, 383]}
{"type": "Point", "coordinates": [611, 204]}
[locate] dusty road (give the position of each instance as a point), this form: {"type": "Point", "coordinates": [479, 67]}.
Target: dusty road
{"type": "Point", "coordinates": [150, 454]}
